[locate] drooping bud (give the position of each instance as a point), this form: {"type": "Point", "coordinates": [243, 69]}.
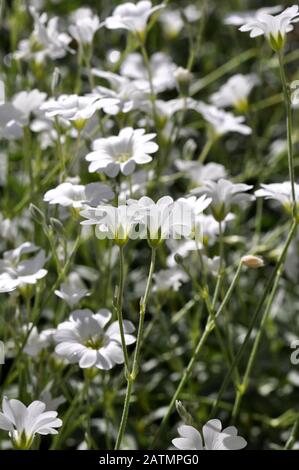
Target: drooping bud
{"type": "Point", "coordinates": [252, 261]}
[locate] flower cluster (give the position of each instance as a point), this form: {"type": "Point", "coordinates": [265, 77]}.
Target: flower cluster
{"type": "Point", "coordinates": [214, 437]}
{"type": "Point", "coordinates": [145, 219]}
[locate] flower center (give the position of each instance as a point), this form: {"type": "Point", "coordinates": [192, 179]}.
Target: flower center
{"type": "Point", "coordinates": [21, 441]}
{"type": "Point", "coordinates": [95, 342]}
{"type": "Point", "coordinates": [123, 157]}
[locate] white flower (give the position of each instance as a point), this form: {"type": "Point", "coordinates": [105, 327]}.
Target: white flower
{"type": "Point", "coordinates": [160, 219]}
{"type": "Point", "coordinates": [224, 194]}
{"type": "Point", "coordinates": [221, 121]}
{"type": "Point", "coordinates": [11, 229]}
{"type": "Point", "coordinates": [168, 218]}
{"type": "Point", "coordinates": [36, 341]}
{"type": "Point", "coordinates": [78, 195]}
{"type": "Point", "coordinates": [84, 340]}
{"type": "Point", "coordinates": [121, 153]}
{"type": "Point", "coordinates": [29, 101]}
{"type": "Point", "coordinates": [73, 290]}
{"type": "Point", "coordinates": [166, 109]}
{"type": "Point", "coordinates": [192, 13]}
{"type": "Point", "coordinates": [2, 92]}
{"type": "Point", "coordinates": [162, 70]}
{"type": "Point", "coordinates": [239, 18]}
{"type": "Point", "coordinates": [196, 206]}
{"type": "Point", "coordinates": [169, 279]}
{"type": "Point", "coordinates": [190, 439]}
{"type": "Point", "coordinates": [235, 92]}
{"type": "Point", "coordinates": [84, 25]}
{"type": "Point", "coordinates": [145, 219]}
{"type": "Point", "coordinates": [7, 284]}
{"type": "Point", "coordinates": [181, 248]}
{"type": "Point", "coordinates": [16, 272]}
{"type": "Point", "coordinates": [74, 107]}
{"type": "Point", "coordinates": [114, 223]}
{"type": "Point", "coordinates": [133, 17]}
{"type": "Point", "coordinates": [137, 185]}
{"type": "Point", "coordinates": [46, 34]}
{"type": "Point", "coordinates": [210, 227]}
{"type": "Point", "coordinates": [199, 173]}
{"type": "Point", "coordinates": [11, 121]}
{"type": "Point", "coordinates": [128, 94]}
{"type": "Point", "coordinates": [281, 192]}
{"type": "Point", "coordinates": [274, 28]}
{"type": "Point", "coordinates": [50, 402]}
{"type": "Point", "coordinates": [173, 20]}
{"type": "Point", "coordinates": [211, 265]}
{"type": "Point", "coordinates": [23, 423]}
{"type": "Point", "coordinates": [214, 437]}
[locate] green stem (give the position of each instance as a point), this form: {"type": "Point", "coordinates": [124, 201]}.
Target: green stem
{"type": "Point", "coordinates": [288, 106]}
{"type": "Point", "coordinates": [60, 151]}
{"type": "Point", "coordinates": [79, 70]}
{"type": "Point", "coordinates": [292, 439]}
{"type": "Point", "coordinates": [206, 149]}
{"type": "Point", "coordinates": [142, 310]}
{"type": "Point", "coordinates": [87, 424]}
{"type": "Point", "coordinates": [220, 270]}
{"type": "Point", "coordinates": [150, 79]}
{"type": "Point", "coordinates": [131, 377]}
{"type": "Point", "coordinates": [29, 157]}
{"type": "Point", "coordinates": [119, 307]}
{"type": "Point", "coordinates": [124, 418]}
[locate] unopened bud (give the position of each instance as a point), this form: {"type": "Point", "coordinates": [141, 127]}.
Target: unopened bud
{"type": "Point", "coordinates": [79, 124]}
{"type": "Point", "coordinates": [57, 226]}
{"type": "Point", "coordinates": [186, 417]}
{"type": "Point", "coordinates": [55, 80]}
{"type": "Point", "coordinates": [253, 261]}
{"type": "Point", "coordinates": [178, 258]}
{"type": "Point", "coordinates": [37, 214]}
{"type": "Point", "coordinates": [183, 78]}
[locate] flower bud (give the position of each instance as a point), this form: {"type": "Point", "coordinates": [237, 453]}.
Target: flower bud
{"type": "Point", "coordinates": [186, 417]}
{"type": "Point", "coordinates": [37, 214]}
{"type": "Point", "coordinates": [79, 124]}
{"type": "Point", "coordinates": [183, 78]}
{"type": "Point", "coordinates": [55, 80]}
{"type": "Point", "coordinates": [178, 258]}
{"type": "Point", "coordinates": [253, 261]}
{"type": "Point", "coordinates": [57, 226]}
